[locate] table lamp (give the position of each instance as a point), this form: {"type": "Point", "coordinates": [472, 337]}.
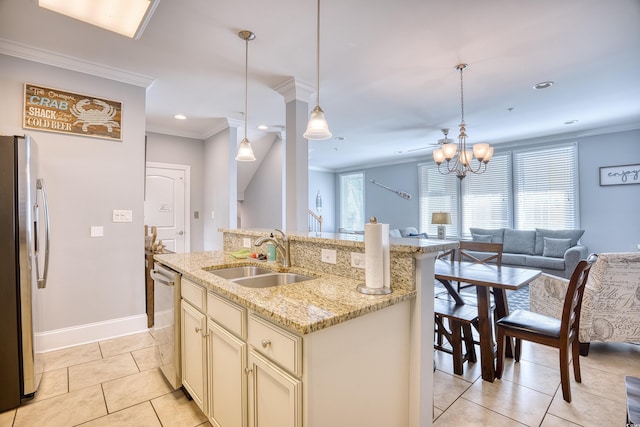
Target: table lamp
{"type": "Point", "coordinates": [441, 218]}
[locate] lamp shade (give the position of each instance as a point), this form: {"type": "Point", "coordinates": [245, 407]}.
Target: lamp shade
{"type": "Point", "coordinates": [245, 152]}
{"type": "Point", "coordinates": [317, 127]}
{"type": "Point", "coordinates": [440, 218]}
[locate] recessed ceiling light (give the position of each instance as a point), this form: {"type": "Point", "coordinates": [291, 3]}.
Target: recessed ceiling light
{"type": "Point", "coordinates": [570, 122]}
{"type": "Point", "coordinates": [126, 17]}
{"type": "Point", "coordinates": [180, 117]}
{"type": "Point", "coordinates": [263, 127]}
{"type": "Point", "coordinates": [543, 85]}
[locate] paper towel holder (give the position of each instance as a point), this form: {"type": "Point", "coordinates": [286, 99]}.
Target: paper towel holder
{"type": "Point", "coordinates": [363, 289]}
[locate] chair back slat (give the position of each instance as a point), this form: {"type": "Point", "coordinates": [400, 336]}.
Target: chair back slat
{"type": "Point", "coordinates": [470, 251]}
{"type": "Point", "coordinates": [573, 298]}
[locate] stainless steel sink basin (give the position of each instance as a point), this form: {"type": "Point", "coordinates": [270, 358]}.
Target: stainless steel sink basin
{"type": "Point", "coordinates": [274, 279]}
{"type": "Point", "coordinates": [238, 272]}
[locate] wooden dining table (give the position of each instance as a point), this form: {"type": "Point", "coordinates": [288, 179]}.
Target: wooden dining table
{"type": "Point", "coordinates": [485, 277]}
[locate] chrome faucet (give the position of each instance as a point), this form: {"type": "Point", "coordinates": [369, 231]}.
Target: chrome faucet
{"type": "Point", "coordinates": [283, 247]}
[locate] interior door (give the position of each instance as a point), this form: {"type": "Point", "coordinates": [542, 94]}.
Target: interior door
{"type": "Point", "coordinates": [164, 205]}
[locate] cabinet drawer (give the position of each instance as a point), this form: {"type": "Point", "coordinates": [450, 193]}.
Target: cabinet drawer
{"type": "Point", "coordinates": [279, 345]}
{"type": "Point", "coordinates": [230, 315]}
{"type": "Point", "coordinates": [194, 294]}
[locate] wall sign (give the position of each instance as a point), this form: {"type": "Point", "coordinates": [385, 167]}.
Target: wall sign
{"type": "Point", "coordinates": [55, 110]}
{"type": "Point", "coordinates": [620, 175]}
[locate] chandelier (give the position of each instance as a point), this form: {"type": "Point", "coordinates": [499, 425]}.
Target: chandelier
{"type": "Point", "coordinates": [459, 159]}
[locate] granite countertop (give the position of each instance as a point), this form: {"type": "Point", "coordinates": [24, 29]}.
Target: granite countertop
{"type": "Point", "coordinates": [302, 307]}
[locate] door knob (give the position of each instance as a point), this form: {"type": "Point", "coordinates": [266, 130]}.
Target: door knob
{"type": "Point", "coordinates": [180, 233]}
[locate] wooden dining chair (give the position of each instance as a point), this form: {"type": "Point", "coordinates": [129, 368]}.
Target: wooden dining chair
{"type": "Point", "coordinates": [479, 253]}
{"type": "Point", "coordinates": [561, 334]}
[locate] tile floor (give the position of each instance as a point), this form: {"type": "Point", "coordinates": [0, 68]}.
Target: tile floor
{"type": "Point", "coordinates": [117, 383]}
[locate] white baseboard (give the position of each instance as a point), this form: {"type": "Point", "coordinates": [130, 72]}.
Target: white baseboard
{"type": "Point", "coordinates": [91, 332]}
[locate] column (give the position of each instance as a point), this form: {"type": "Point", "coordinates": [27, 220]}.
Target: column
{"type": "Point", "coordinates": [295, 155]}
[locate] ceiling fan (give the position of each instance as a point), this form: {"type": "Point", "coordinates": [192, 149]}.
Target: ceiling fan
{"type": "Point", "coordinates": [438, 144]}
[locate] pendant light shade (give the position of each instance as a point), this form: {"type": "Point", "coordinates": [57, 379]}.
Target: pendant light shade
{"type": "Point", "coordinates": [245, 152]}
{"type": "Point", "coordinates": [317, 128]}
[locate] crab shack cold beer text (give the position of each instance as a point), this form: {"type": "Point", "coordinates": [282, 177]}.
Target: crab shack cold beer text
{"type": "Point", "coordinates": [61, 111]}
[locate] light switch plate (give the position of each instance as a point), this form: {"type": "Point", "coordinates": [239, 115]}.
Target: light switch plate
{"type": "Point", "coordinates": [97, 231]}
{"type": "Point", "coordinates": [120, 215]}
{"type": "Point", "coordinates": [328, 256]}
{"type": "Point", "coordinates": [357, 260]}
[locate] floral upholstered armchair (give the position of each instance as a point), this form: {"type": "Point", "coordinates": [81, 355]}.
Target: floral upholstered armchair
{"type": "Point", "coordinates": [611, 303]}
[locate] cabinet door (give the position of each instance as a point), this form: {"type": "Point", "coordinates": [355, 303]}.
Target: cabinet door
{"type": "Point", "coordinates": [227, 377]}
{"type": "Point", "coordinates": [275, 397]}
{"type": "Point", "coordinates": [194, 361]}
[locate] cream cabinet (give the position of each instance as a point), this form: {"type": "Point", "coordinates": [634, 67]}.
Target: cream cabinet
{"type": "Point", "coordinates": [193, 333]}
{"type": "Point", "coordinates": [275, 397]}
{"type": "Point", "coordinates": [250, 372]}
{"type": "Point", "coordinates": [227, 357]}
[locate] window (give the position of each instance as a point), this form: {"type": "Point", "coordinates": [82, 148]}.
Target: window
{"type": "Point", "coordinates": [438, 193]}
{"type": "Point", "coordinates": [521, 189]}
{"type": "Point", "coordinates": [546, 188]}
{"type": "Point", "coordinates": [486, 198]}
{"type": "Point", "coordinates": [352, 201]}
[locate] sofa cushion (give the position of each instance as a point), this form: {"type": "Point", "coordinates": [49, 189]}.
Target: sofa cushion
{"type": "Point", "coordinates": [537, 261]}
{"type": "Point", "coordinates": [519, 241]}
{"type": "Point", "coordinates": [555, 247]}
{"type": "Point", "coordinates": [541, 233]}
{"type": "Point", "coordinates": [496, 234]}
{"type": "Point", "coordinates": [514, 259]}
{"type": "Point", "coordinates": [481, 237]}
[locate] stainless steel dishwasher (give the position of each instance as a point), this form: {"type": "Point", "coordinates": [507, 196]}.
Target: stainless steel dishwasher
{"type": "Point", "coordinates": [166, 328]}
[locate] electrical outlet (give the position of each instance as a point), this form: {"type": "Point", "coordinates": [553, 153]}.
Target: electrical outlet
{"type": "Point", "coordinates": [97, 231]}
{"type": "Point", "coordinates": [328, 256]}
{"type": "Point", "coordinates": [357, 260]}
{"type": "Point", "coordinates": [246, 242]}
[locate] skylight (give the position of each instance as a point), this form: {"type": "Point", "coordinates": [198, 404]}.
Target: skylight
{"type": "Point", "coordinates": [126, 17]}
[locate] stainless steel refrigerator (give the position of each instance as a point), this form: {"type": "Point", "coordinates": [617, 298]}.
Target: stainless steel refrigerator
{"type": "Point", "coordinates": [24, 253]}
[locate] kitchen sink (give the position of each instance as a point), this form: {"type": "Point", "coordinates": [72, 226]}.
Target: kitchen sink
{"type": "Point", "coordinates": [274, 279]}
{"type": "Point", "coordinates": [238, 272]}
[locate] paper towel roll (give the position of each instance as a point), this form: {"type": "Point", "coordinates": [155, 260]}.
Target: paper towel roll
{"type": "Point", "coordinates": [376, 253]}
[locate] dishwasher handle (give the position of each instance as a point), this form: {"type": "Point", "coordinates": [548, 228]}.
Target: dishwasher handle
{"type": "Point", "coordinates": [157, 276]}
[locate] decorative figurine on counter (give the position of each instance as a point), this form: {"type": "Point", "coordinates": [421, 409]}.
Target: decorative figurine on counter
{"type": "Point", "coordinates": [150, 244]}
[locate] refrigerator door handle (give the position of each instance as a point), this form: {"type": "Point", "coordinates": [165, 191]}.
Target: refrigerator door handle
{"type": "Point", "coordinates": [42, 281]}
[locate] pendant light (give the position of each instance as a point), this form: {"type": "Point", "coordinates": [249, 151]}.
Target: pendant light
{"type": "Point", "coordinates": [245, 152]}
{"type": "Point", "coordinates": [317, 127]}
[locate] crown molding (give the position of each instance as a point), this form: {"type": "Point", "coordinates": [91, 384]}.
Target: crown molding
{"type": "Point", "coordinates": [293, 89]}
{"type": "Point", "coordinates": [59, 60]}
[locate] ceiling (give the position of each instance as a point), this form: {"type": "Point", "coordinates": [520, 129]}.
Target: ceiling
{"type": "Point", "coordinates": [387, 78]}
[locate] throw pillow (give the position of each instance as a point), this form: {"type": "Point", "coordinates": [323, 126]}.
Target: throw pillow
{"type": "Point", "coordinates": [519, 241]}
{"type": "Point", "coordinates": [481, 237]}
{"type": "Point", "coordinates": [496, 234]}
{"type": "Point", "coordinates": [555, 248]}
{"type": "Point", "coordinates": [541, 233]}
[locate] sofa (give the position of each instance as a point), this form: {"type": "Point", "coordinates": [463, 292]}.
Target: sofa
{"type": "Point", "coordinates": [555, 252]}
{"type": "Point", "coordinates": [407, 232]}
{"type": "Point", "coordinates": [611, 302]}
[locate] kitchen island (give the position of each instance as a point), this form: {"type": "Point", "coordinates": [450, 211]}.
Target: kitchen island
{"type": "Point", "coordinates": [319, 352]}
